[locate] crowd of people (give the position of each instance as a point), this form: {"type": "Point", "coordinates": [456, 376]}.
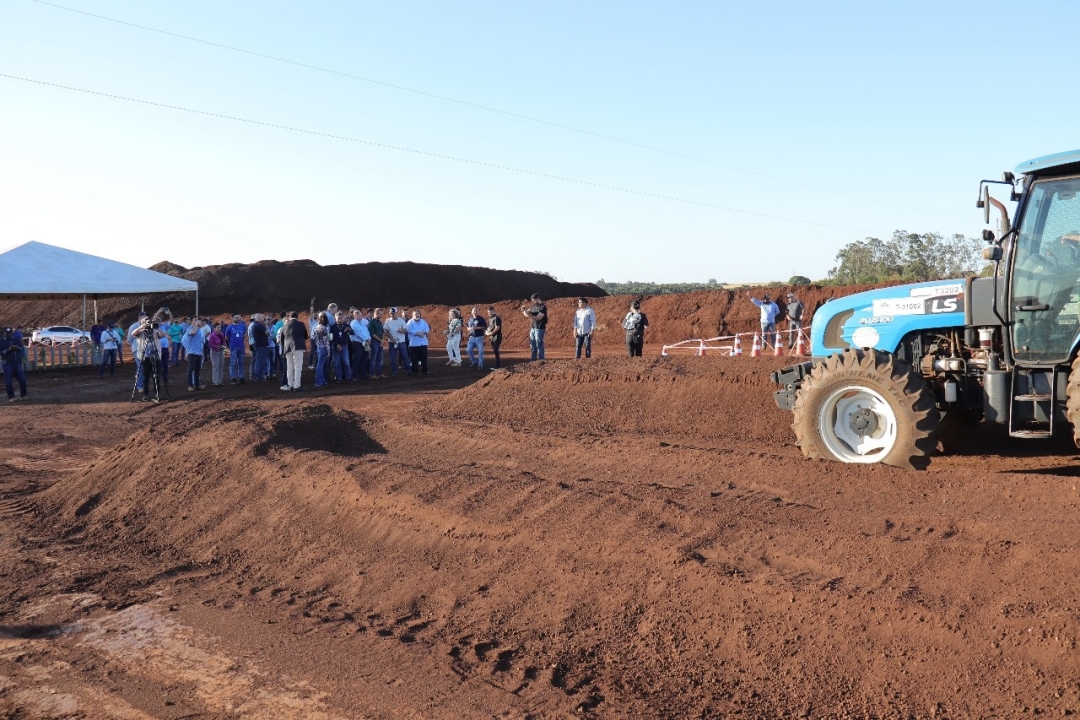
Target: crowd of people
{"type": "Point", "coordinates": [339, 345]}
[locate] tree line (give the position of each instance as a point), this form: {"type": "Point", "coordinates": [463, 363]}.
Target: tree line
{"type": "Point", "coordinates": [634, 287]}
{"type": "Point", "coordinates": [910, 257]}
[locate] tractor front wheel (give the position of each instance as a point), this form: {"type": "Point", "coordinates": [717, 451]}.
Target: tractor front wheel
{"type": "Point", "coordinates": [866, 406]}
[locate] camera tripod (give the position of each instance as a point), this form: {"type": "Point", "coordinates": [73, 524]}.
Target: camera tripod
{"type": "Point", "coordinates": [155, 361]}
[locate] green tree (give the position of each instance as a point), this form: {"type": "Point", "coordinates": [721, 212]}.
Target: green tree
{"type": "Point", "coordinates": [915, 257]}
{"type": "Point", "coordinates": [798, 280]}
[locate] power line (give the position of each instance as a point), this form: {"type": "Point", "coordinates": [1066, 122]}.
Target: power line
{"type": "Point", "coordinates": [488, 108]}
{"type": "Point", "coordinates": [427, 153]}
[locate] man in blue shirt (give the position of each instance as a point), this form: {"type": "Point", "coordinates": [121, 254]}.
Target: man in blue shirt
{"type": "Point", "coordinates": [236, 335]}
{"type": "Point", "coordinates": [769, 311]}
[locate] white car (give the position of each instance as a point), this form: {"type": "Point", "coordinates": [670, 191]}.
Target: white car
{"type": "Point", "coordinates": [58, 334]}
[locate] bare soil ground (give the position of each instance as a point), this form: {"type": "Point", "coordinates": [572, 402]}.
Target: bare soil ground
{"type": "Point", "coordinates": [607, 538]}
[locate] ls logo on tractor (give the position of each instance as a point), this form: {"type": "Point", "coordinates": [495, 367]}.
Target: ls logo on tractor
{"type": "Point", "coordinates": [944, 305]}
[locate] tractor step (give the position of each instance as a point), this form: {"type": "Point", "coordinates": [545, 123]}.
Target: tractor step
{"type": "Point", "coordinates": [1031, 434]}
{"type": "Point", "coordinates": [1045, 404]}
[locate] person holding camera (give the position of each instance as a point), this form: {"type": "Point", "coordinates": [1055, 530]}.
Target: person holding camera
{"type": "Point", "coordinates": [635, 324]}
{"type": "Point", "coordinates": [109, 341]}
{"type": "Point", "coordinates": [193, 342]}
{"type": "Point", "coordinates": [537, 314]}
{"type": "Point", "coordinates": [11, 352]}
{"type": "Point", "coordinates": [147, 339]}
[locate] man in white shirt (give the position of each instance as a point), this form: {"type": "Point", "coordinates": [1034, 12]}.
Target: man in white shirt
{"type": "Point", "coordinates": [584, 324]}
{"type": "Point", "coordinates": [398, 340]}
{"type": "Point", "coordinates": [418, 331]}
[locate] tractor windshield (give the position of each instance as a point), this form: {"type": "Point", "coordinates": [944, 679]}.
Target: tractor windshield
{"type": "Point", "coordinates": [1046, 268]}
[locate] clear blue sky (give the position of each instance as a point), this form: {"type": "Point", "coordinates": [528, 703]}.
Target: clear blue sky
{"type": "Point", "coordinates": [848, 106]}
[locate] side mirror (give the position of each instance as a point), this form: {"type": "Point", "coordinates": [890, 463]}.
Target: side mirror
{"type": "Point", "coordinates": [985, 200]}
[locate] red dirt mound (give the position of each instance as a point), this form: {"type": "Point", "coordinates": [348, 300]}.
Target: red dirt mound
{"type": "Point", "coordinates": [450, 546]}
{"type": "Point", "coordinates": [665, 397]}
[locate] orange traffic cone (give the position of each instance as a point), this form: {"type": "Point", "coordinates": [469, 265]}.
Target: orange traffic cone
{"type": "Point", "coordinates": [778, 350]}
{"type": "Point", "coordinates": [755, 349]}
{"type": "Point", "coordinates": [736, 349]}
{"type": "Point", "coordinates": [701, 348]}
{"type": "Point", "coordinates": [800, 344]}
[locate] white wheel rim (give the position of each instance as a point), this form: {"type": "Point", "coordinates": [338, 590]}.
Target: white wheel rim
{"type": "Point", "coordinates": [843, 442]}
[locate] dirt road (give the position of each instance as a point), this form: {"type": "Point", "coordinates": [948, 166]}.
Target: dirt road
{"type": "Point", "coordinates": [610, 538]}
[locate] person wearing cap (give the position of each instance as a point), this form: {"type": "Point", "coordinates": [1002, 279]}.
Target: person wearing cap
{"type": "Point", "coordinates": [794, 309]}
{"type": "Point", "coordinates": [537, 314]}
{"type": "Point", "coordinates": [398, 340]}
{"type": "Point", "coordinates": [769, 311]}
{"type": "Point", "coordinates": [11, 353]}
{"type": "Point", "coordinates": [635, 323]}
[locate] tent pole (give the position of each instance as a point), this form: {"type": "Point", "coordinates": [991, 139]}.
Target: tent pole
{"type": "Point", "coordinates": [95, 312]}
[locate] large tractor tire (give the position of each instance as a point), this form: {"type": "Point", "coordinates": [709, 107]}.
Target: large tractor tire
{"type": "Point", "coordinates": [1072, 400]}
{"type": "Point", "coordinates": [866, 406]}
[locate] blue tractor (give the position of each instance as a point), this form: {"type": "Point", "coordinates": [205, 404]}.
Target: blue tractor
{"type": "Point", "coordinates": [888, 365]}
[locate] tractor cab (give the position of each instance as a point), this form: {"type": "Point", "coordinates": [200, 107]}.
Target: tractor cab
{"type": "Point", "coordinates": [1042, 312]}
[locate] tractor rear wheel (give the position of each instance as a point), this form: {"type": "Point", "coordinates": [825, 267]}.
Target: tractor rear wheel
{"type": "Point", "coordinates": [866, 406]}
{"type": "Point", "coordinates": [1072, 400]}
